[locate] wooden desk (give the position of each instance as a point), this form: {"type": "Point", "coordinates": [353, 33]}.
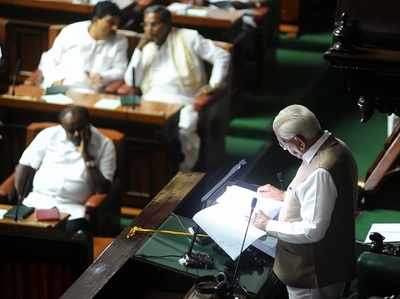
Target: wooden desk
{"type": "Point", "coordinates": [31, 220]}
{"type": "Point", "coordinates": [218, 24]}
{"type": "Point", "coordinates": [48, 11]}
{"type": "Point", "coordinates": [39, 260]}
{"type": "Point", "coordinates": [149, 161]}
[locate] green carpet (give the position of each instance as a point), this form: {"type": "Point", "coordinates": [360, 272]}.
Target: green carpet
{"type": "Point", "coordinates": [239, 147]}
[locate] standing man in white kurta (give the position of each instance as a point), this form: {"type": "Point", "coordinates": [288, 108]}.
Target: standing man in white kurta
{"type": "Point", "coordinates": [167, 65]}
{"type": "Point", "coordinates": [70, 162]}
{"type": "Point", "coordinates": [86, 54]}
{"type": "Point", "coordinates": [315, 229]}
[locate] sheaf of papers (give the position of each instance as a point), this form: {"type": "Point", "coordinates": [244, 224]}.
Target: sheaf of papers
{"type": "Point", "coordinates": [266, 244]}
{"type": "Point", "coordinates": [108, 103]}
{"type": "Point", "coordinates": [178, 7]}
{"type": "Point", "coordinates": [226, 221]}
{"type": "Point", "coordinates": [2, 212]}
{"type": "Point", "coordinates": [58, 98]}
{"type": "Point", "coordinates": [391, 231]}
{"type": "Point", "coordinates": [187, 9]}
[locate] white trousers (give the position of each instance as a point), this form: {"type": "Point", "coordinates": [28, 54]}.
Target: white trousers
{"type": "Point", "coordinates": [190, 140]}
{"type": "Point", "coordinates": [333, 291]}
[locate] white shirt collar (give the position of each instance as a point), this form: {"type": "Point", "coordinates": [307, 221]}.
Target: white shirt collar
{"type": "Point", "coordinates": [310, 153]}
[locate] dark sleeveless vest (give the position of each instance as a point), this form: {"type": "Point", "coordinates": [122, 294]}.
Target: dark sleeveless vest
{"type": "Point", "coordinates": [331, 259]}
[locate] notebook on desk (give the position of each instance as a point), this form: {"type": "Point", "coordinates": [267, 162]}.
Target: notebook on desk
{"type": "Point", "coordinates": [48, 214]}
{"type": "Point", "coordinates": [20, 211]}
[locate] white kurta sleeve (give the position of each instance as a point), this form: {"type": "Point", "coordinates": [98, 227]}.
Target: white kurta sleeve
{"type": "Point", "coordinates": [51, 60]}
{"type": "Point", "coordinates": [317, 197]}
{"type": "Point", "coordinates": [119, 62]}
{"type": "Point", "coordinates": [134, 64]}
{"type": "Point", "coordinates": [34, 153]}
{"type": "Point", "coordinates": [218, 57]}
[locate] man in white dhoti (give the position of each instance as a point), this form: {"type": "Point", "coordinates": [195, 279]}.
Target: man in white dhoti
{"type": "Point", "coordinates": [86, 54]}
{"type": "Point", "coordinates": [167, 65]}
{"type": "Point", "coordinates": [70, 162]}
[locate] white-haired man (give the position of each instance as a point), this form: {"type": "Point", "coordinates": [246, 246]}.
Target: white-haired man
{"type": "Point", "coordinates": [315, 227]}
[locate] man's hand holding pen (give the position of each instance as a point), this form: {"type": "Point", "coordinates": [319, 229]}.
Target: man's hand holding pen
{"type": "Point", "coordinates": [269, 191]}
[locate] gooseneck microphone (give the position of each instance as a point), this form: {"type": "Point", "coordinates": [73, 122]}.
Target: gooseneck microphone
{"type": "Point", "coordinates": [221, 284]}
{"type": "Point", "coordinates": [253, 205]}
{"type": "Point", "coordinates": [14, 78]}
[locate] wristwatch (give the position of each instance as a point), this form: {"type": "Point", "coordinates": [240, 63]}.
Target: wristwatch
{"type": "Point", "coordinates": [90, 163]}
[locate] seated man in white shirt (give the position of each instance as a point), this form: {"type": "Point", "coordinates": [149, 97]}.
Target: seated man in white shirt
{"type": "Point", "coordinates": [167, 65]}
{"type": "Point", "coordinates": [315, 229]}
{"type": "Point", "coordinates": [86, 54]}
{"type": "Point", "coordinates": [70, 162]}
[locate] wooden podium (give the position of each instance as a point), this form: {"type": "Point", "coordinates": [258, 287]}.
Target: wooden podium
{"type": "Point", "coordinates": [147, 266]}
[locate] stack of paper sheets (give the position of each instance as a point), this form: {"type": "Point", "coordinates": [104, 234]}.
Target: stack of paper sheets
{"type": "Point", "coordinates": [226, 221]}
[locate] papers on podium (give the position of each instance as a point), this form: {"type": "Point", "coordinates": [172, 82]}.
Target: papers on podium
{"type": "Point", "coordinates": [391, 231]}
{"type": "Point", "coordinates": [226, 221]}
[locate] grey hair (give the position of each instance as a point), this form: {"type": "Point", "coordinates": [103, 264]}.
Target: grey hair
{"type": "Point", "coordinates": [296, 120]}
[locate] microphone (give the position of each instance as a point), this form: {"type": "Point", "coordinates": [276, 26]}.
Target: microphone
{"type": "Point", "coordinates": [220, 284]}
{"type": "Point", "coordinates": [14, 79]}
{"type": "Point", "coordinates": [133, 77]}
{"type": "Point", "coordinates": [279, 176]}
{"type": "Point", "coordinates": [235, 273]}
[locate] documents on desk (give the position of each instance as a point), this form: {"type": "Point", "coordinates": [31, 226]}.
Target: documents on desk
{"type": "Point", "coordinates": [187, 9]}
{"type": "Point", "coordinates": [226, 221]}
{"type": "Point", "coordinates": [106, 103]}
{"type": "Point", "coordinates": [391, 231]}
{"type": "Point", "coordinates": [58, 98]}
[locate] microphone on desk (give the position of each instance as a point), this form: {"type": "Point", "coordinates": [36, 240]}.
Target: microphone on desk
{"type": "Point", "coordinates": [279, 176]}
{"type": "Point", "coordinates": [14, 79]}
{"type": "Point", "coordinates": [220, 284]}
{"type": "Point", "coordinates": [235, 283]}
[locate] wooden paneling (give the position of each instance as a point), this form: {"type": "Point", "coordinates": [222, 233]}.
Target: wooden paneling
{"type": "Point", "coordinates": [24, 42]}
{"type": "Point", "coordinates": [290, 11]}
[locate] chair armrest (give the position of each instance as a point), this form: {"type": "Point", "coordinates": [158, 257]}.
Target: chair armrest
{"type": "Point", "coordinates": [95, 201]}
{"type": "Point", "coordinates": [7, 186]}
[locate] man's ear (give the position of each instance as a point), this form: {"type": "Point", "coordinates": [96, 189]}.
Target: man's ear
{"type": "Point", "coordinates": [301, 143]}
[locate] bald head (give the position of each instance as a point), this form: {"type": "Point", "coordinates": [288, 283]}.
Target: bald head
{"type": "Point", "coordinates": [74, 120]}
